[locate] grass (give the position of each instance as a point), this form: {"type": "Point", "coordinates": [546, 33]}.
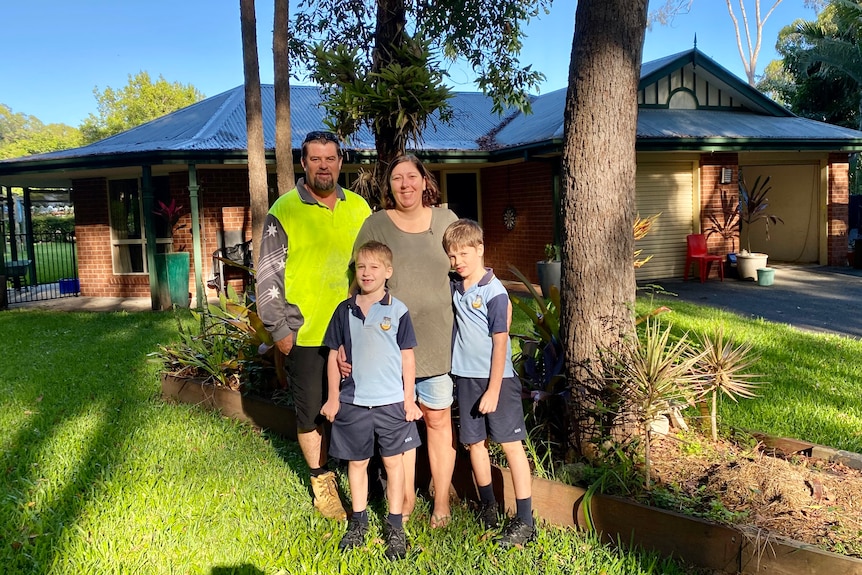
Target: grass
{"type": "Point", "coordinates": [54, 260]}
{"type": "Point", "coordinates": [814, 381]}
{"type": "Point", "coordinates": [101, 476]}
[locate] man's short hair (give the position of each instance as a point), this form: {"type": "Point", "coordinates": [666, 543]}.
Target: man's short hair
{"type": "Point", "coordinates": [463, 232]}
{"type": "Point", "coordinates": [321, 137]}
{"type": "Point", "coordinates": [377, 250]}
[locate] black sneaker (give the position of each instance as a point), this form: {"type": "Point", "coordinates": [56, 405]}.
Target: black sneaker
{"type": "Point", "coordinates": [517, 533]}
{"type": "Point", "coordinates": [396, 542]}
{"type": "Point", "coordinates": [487, 514]}
{"type": "Point", "coordinates": [354, 537]}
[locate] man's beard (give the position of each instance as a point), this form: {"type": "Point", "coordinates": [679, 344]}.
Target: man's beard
{"type": "Point", "coordinates": [326, 185]}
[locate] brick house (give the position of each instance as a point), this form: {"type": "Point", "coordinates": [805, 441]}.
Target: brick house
{"type": "Point", "coordinates": [698, 125]}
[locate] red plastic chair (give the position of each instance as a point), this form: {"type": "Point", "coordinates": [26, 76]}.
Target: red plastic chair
{"type": "Point", "coordinates": [698, 254]}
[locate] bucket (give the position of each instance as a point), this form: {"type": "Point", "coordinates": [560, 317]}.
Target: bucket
{"type": "Point", "coordinates": [69, 286]}
{"type": "Point", "coordinates": [765, 276]}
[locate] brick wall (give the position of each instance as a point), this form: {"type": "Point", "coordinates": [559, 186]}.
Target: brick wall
{"type": "Point", "coordinates": [527, 187]}
{"type": "Point", "coordinates": [711, 190]}
{"type": "Point", "coordinates": [224, 202]}
{"type": "Point", "coordinates": [837, 210]}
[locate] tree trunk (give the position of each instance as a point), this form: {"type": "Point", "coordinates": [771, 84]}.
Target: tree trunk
{"type": "Point", "coordinates": [598, 188]}
{"type": "Point", "coordinates": [281, 61]}
{"type": "Point", "coordinates": [389, 34]}
{"type": "Point", "coordinates": [257, 186]}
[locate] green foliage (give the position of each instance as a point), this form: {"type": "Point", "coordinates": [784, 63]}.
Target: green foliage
{"type": "Point", "coordinates": [402, 94]}
{"type": "Point", "coordinates": [724, 366]}
{"type": "Point", "coordinates": [136, 103]}
{"type": "Point", "coordinates": [228, 345]}
{"type": "Point", "coordinates": [23, 135]}
{"type": "Point", "coordinates": [654, 374]}
{"type": "Point", "coordinates": [820, 70]}
{"type": "Point", "coordinates": [552, 252]}
{"type": "Point", "coordinates": [48, 224]}
{"type": "Point", "coordinates": [450, 28]}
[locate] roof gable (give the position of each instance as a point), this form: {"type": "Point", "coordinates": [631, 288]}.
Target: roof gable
{"type": "Point", "coordinates": [691, 80]}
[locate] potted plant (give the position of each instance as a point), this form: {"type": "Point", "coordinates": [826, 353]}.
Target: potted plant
{"type": "Point", "coordinates": [753, 204]}
{"type": "Point", "coordinates": [549, 269]}
{"type": "Point", "coordinates": [725, 223]}
{"type": "Point", "coordinates": [172, 268]}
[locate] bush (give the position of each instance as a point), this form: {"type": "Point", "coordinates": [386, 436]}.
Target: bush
{"type": "Point", "coordinates": [46, 224]}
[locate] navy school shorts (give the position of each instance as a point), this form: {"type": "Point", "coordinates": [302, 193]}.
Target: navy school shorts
{"type": "Point", "coordinates": [356, 427]}
{"type": "Point", "coordinates": [504, 425]}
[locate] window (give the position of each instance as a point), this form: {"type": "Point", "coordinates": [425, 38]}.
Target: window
{"type": "Point", "coordinates": [128, 239]}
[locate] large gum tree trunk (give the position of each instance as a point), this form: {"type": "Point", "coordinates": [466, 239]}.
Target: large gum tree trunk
{"type": "Point", "coordinates": [598, 182]}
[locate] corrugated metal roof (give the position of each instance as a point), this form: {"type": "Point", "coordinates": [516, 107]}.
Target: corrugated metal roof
{"type": "Point", "coordinates": [663, 123]}
{"type": "Point", "coordinates": [217, 125]}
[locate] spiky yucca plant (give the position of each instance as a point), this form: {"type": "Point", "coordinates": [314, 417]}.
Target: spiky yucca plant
{"type": "Point", "coordinates": [723, 366]}
{"type": "Point", "coordinates": [655, 373]}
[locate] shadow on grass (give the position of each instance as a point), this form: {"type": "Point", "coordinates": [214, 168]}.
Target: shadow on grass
{"type": "Point", "coordinates": [64, 374]}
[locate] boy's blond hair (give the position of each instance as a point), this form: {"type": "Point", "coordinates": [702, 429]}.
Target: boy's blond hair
{"type": "Point", "coordinates": [377, 250]}
{"type": "Point", "coordinates": [463, 233]}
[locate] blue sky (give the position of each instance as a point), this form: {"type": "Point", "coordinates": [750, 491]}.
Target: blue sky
{"type": "Point", "coordinates": [53, 53]}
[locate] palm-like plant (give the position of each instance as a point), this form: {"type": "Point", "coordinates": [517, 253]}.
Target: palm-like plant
{"type": "Point", "coordinates": [654, 374]}
{"type": "Point", "coordinates": [726, 222]}
{"type": "Point", "coordinates": [723, 365]}
{"type": "Point", "coordinates": [835, 41]}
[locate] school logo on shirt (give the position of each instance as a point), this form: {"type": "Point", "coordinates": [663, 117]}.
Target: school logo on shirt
{"type": "Point", "coordinates": [477, 303]}
{"type": "Point", "coordinates": [386, 324]}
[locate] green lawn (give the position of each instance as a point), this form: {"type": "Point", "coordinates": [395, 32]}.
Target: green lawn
{"type": "Point", "coordinates": [100, 476]}
{"type": "Point", "coordinates": [54, 261]}
{"type": "Point", "coordinates": [814, 381]}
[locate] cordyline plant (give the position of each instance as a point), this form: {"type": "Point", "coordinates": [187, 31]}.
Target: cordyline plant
{"type": "Point", "coordinates": [654, 374]}
{"type": "Point", "coordinates": [723, 367]}
{"type": "Point", "coordinates": [726, 222]}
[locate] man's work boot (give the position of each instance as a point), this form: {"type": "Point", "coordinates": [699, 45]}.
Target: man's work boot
{"type": "Point", "coordinates": [326, 498]}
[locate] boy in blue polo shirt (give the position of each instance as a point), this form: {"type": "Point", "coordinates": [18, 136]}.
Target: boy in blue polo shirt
{"type": "Point", "coordinates": [376, 399]}
{"type": "Point", "coordinates": [488, 391]}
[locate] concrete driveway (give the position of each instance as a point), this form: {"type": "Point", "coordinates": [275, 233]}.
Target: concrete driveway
{"type": "Point", "coordinates": [814, 298]}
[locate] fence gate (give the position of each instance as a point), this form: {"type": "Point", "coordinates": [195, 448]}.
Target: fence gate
{"type": "Point", "coordinates": [38, 266]}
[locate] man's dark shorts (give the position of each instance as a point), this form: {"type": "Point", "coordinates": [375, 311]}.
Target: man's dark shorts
{"type": "Point", "coordinates": [306, 371]}
{"type": "Point", "coordinates": [355, 428]}
{"type": "Point", "coordinates": [504, 425]}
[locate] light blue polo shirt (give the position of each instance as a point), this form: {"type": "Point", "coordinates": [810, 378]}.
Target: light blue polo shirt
{"type": "Point", "coordinates": [373, 346]}
{"type": "Point", "coordinates": [480, 312]}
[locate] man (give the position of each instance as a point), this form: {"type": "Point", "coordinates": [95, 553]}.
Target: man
{"type": "Point", "coordinates": [302, 276]}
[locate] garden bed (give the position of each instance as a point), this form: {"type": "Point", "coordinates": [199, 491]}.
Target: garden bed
{"type": "Point", "coordinates": [258, 411]}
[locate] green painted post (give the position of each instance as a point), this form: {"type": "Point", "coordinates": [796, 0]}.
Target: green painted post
{"type": "Point", "coordinates": [196, 235]}
{"type": "Point", "coordinates": [150, 231]}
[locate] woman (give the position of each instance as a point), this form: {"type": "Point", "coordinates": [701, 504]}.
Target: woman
{"type": "Point", "coordinates": [413, 229]}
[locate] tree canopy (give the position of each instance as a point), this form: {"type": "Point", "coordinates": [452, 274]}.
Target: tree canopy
{"type": "Point", "coordinates": [382, 63]}
{"type": "Point", "coordinates": [138, 102]}
{"type": "Point", "coordinates": [23, 135]}
{"type": "Point", "coordinates": [819, 74]}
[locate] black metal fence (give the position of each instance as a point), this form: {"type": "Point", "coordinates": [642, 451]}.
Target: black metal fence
{"type": "Point", "coordinates": [39, 266]}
